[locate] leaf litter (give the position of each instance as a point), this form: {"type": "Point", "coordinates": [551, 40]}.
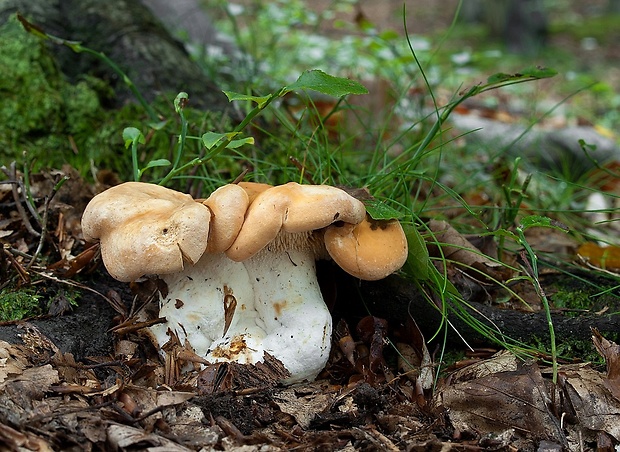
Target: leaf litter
{"type": "Point", "coordinates": [379, 391]}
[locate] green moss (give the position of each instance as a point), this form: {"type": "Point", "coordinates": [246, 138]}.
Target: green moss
{"type": "Point", "coordinates": [19, 303]}
{"type": "Point", "coordinates": [579, 291]}
{"type": "Point", "coordinates": [29, 85]}
{"type": "Point", "coordinates": [572, 299]}
{"type": "Point", "coordinates": [39, 109]}
{"type": "Point", "coordinates": [580, 350]}
{"type": "Point", "coordinates": [55, 122]}
{"type": "Point", "coordinates": [46, 121]}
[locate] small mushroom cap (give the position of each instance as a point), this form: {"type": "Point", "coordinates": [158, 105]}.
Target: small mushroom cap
{"type": "Point", "coordinates": [370, 250]}
{"type": "Point", "coordinates": [292, 208]}
{"type": "Point", "coordinates": [228, 205]}
{"type": "Point", "coordinates": [253, 189]}
{"type": "Point", "coordinates": [146, 229]}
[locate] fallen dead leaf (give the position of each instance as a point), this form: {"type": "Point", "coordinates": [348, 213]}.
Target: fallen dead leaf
{"type": "Point", "coordinates": [455, 247]}
{"type": "Point", "coordinates": [304, 403]}
{"type": "Point", "coordinates": [604, 257]}
{"type": "Point", "coordinates": [516, 399]}
{"type": "Point", "coordinates": [611, 352]}
{"type": "Point", "coordinates": [13, 361]}
{"type": "Point", "coordinates": [593, 405]}
{"type": "Point", "coordinates": [124, 437]}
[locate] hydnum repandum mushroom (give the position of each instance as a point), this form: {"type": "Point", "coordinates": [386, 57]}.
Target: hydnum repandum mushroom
{"type": "Point", "coordinates": [240, 266]}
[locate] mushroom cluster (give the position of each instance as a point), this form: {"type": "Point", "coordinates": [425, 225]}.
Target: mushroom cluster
{"type": "Point", "coordinates": [240, 265]}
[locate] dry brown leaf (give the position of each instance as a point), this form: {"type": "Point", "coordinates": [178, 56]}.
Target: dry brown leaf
{"type": "Point", "coordinates": [552, 241]}
{"type": "Point", "coordinates": [611, 352]}
{"type": "Point", "coordinates": [455, 247]}
{"type": "Point", "coordinates": [592, 402]}
{"type": "Point", "coordinates": [504, 400]}
{"type": "Point", "coordinates": [13, 361]}
{"type": "Point", "coordinates": [303, 403]}
{"type": "Point", "coordinates": [503, 361]}
{"type": "Point", "coordinates": [123, 437]}
{"type": "Point", "coordinates": [11, 439]}
{"type": "Point", "coordinates": [605, 257]}
{"type": "Point", "coordinates": [168, 398]}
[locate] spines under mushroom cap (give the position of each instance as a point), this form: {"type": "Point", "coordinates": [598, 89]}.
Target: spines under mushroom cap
{"type": "Point", "coordinates": [292, 208]}
{"type": "Point", "coordinates": [146, 229]}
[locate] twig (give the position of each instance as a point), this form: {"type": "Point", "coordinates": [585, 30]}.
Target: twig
{"type": "Point", "coordinates": [43, 235]}
{"type": "Point", "coordinates": [12, 175]}
{"type": "Point", "coordinates": [23, 274]}
{"type": "Point", "coordinates": [73, 284]}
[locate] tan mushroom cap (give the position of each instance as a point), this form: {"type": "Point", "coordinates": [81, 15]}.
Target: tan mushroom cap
{"type": "Point", "coordinates": [146, 229]}
{"type": "Point", "coordinates": [370, 250]}
{"type": "Point", "coordinates": [253, 189]}
{"type": "Point", "coordinates": [292, 208]}
{"type": "Point", "coordinates": [228, 205]}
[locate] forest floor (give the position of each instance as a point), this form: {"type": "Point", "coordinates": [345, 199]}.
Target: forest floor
{"type": "Point", "coordinates": [84, 377]}
{"type": "Point", "coordinates": [81, 375]}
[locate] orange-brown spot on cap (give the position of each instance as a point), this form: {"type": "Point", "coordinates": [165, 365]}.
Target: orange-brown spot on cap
{"type": "Point", "coordinates": [370, 250]}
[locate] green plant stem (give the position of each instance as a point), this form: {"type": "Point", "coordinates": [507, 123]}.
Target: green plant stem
{"type": "Point", "coordinates": [134, 161]}
{"type": "Point", "coordinates": [180, 149]}
{"type": "Point", "coordinates": [77, 47]}
{"type": "Point", "coordinates": [46, 209]}
{"type": "Point", "coordinates": [531, 261]}
{"type": "Point", "coordinates": [126, 80]}
{"type": "Point", "coordinates": [225, 142]}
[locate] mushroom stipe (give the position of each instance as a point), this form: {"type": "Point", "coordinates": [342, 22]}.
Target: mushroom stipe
{"type": "Point", "coordinates": [240, 266]}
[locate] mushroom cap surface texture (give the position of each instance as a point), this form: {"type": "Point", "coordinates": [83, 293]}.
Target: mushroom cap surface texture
{"type": "Point", "coordinates": [292, 208]}
{"type": "Point", "coordinates": [370, 250]}
{"type": "Point", "coordinates": [146, 229]}
{"type": "Point", "coordinates": [228, 205]}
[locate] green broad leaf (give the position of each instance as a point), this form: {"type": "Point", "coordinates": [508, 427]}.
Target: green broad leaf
{"type": "Point", "coordinates": [501, 77]}
{"type": "Point", "coordinates": [532, 72]}
{"type": "Point", "coordinates": [180, 101]}
{"type": "Point", "coordinates": [131, 135]}
{"type": "Point", "coordinates": [157, 162]}
{"type": "Point", "coordinates": [418, 260]}
{"type": "Point", "coordinates": [157, 125]}
{"type": "Point", "coordinates": [211, 139]}
{"type": "Point", "coordinates": [380, 211]}
{"type": "Point", "coordinates": [541, 222]}
{"type": "Point", "coordinates": [389, 35]}
{"type": "Point", "coordinates": [234, 144]}
{"type": "Point", "coordinates": [539, 72]}
{"type": "Point", "coordinates": [317, 80]}
{"type": "Point", "coordinates": [260, 100]}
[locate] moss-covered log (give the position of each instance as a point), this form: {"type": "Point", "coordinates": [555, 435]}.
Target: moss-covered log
{"type": "Point", "coordinates": [130, 35]}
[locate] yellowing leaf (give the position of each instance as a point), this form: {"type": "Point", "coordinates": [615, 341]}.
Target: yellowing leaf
{"type": "Point", "coordinates": [606, 257]}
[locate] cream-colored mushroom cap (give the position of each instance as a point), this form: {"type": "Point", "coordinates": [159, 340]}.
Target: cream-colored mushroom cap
{"type": "Point", "coordinates": [146, 229]}
{"type": "Point", "coordinates": [292, 208]}
{"type": "Point", "coordinates": [370, 250]}
{"type": "Point", "coordinates": [253, 189]}
{"type": "Point", "coordinates": [228, 205]}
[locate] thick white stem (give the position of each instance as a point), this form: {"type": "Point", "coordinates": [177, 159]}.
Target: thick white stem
{"type": "Point", "coordinates": [237, 311]}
